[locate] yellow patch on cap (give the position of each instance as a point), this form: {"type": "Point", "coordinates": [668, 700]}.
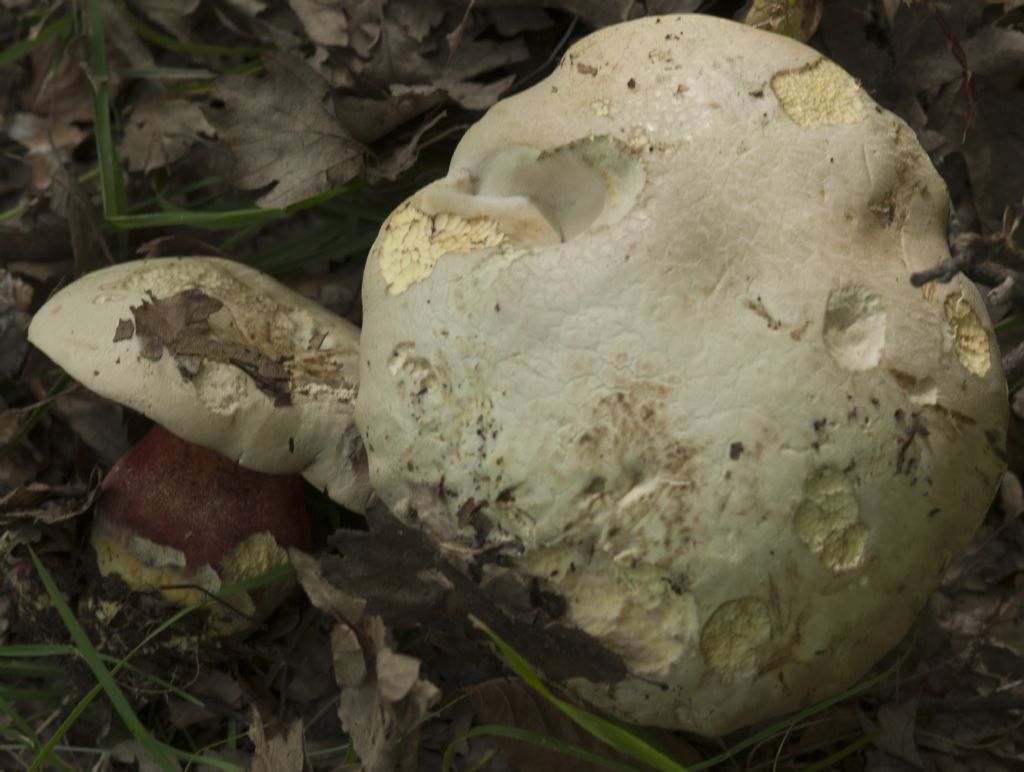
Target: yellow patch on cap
{"type": "Point", "coordinates": [822, 94]}
{"type": "Point", "coordinates": [412, 242]}
{"type": "Point", "coordinates": [969, 334]}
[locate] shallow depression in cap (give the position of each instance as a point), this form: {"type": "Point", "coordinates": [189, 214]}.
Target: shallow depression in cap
{"type": "Point", "coordinates": [734, 636]}
{"type": "Point", "coordinates": [854, 327]}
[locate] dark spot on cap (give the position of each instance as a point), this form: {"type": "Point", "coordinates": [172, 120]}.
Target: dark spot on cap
{"type": "Point", "coordinates": [631, 83]}
{"type": "Point", "coordinates": [735, 450]}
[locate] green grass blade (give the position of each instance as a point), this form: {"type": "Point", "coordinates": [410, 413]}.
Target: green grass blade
{"type": "Point", "coordinates": [34, 417]}
{"type": "Point", "coordinates": [782, 726]}
{"type": "Point", "coordinates": [37, 650]}
{"type": "Point", "coordinates": [168, 43]}
{"type": "Point", "coordinates": [104, 678]}
{"type": "Point", "coordinates": [111, 180]}
{"type": "Point", "coordinates": [56, 28]}
{"type": "Point", "coordinates": [234, 218]}
{"type": "Point", "coordinates": [831, 761]}
{"type": "Point", "coordinates": [601, 728]}
{"type": "Point", "coordinates": [543, 741]}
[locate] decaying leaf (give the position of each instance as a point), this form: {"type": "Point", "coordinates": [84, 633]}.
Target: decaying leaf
{"type": "Point", "coordinates": [896, 731]}
{"type": "Point", "coordinates": [161, 130]}
{"type": "Point", "coordinates": [180, 323]}
{"type": "Point", "coordinates": [324, 21]}
{"type": "Point", "coordinates": [282, 133]}
{"type": "Point", "coordinates": [797, 20]}
{"type": "Point", "coordinates": [47, 504]}
{"type": "Point", "coordinates": [283, 753]}
{"type": "Point", "coordinates": [13, 324]}
{"type": "Point", "coordinates": [52, 105]}
{"type": "Point", "coordinates": [383, 699]}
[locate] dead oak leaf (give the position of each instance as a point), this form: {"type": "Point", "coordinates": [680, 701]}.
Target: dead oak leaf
{"type": "Point", "coordinates": [283, 753]}
{"type": "Point", "coordinates": [180, 323]}
{"type": "Point", "coordinates": [282, 133]}
{"type": "Point", "coordinates": [324, 22]}
{"type": "Point", "coordinates": [160, 131]}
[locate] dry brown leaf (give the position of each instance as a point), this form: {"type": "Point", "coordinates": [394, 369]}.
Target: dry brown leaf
{"type": "Point", "coordinates": [172, 15]}
{"type": "Point", "coordinates": [896, 731]}
{"type": "Point", "coordinates": [322, 593]}
{"type": "Point", "coordinates": [282, 133]}
{"type": "Point", "coordinates": [383, 699]}
{"type": "Point", "coordinates": [13, 325]}
{"type": "Point", "coordinates": [47, 504]}
{"type": "Point", "coordinates": [51, 104]}
{"type": "Point", "coordinates": [324, 21]}
{"type": "Point", "coordinates": [161, 130]}
{"type": "Point", "coordinates": [283, 753]}
{"type": "Point", "coordinates": [180, 324]}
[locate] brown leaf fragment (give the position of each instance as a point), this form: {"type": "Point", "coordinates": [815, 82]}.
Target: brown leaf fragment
{"type": "Point", "coordinates": [180, 323]}
{"type": "Point", "coordinates": [324, 21]}
{"type": "Point", "coordinates": [125, 330]}
{"type": "Point", "coordinates": [384, 731]}
{"type": "Point", "coordinates": [322, 593]}
{"type": "Point", "coordinates": [282, 133]}
{"type": "Point", "coordinates": [896, 731]}
{"type": "Point", "coordinates": [161, 130]}
{"type": "Point", "coordinates": [397, 674]}
{"type": "Point", "coordinates": [383, 699]}
{"type": "Point", "coordinates": [50, 108]}
{"type": "Point", "coordinates": [282, 753]}
{"type": "Point", "coordinates": [47, 504]}
{"type": "Point", "coordinates": [347, 656]}
{"type": "Point", "coordinates": [13, 326]}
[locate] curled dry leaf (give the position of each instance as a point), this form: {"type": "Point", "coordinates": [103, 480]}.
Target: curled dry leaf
{"type": "Point", "coordinates": [383, 699]}
{"type": "Point", "coordinates": [13, 325]}
{"type": "Point", "coordinates": [282, 134]}
{"type": "Point", "coordinates": [283, 753]}
{"type": "Point", "coordinates": [52, 105]}
{"type": "Point", "coordinates": [160, 131]}
{"type": "Point", "coordinates": [47, 504]}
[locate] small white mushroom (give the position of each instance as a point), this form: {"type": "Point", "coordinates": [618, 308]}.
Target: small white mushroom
{"type": "Point", "coordinates": [222, 356]}
{"type": "Point", "coordinates": [655, 332]}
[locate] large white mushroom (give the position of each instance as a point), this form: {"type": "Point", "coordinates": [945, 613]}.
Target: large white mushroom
{"type": "Point", "coordinates": [652, 344]}
{"type": "Point", "coordinates": [653, 340]}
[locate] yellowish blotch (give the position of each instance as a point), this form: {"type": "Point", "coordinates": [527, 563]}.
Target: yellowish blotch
{"type": "Point", "coordinates": [414, 241]}
{"type": "Point", "coordinates": [828, 521]}
{"type": "Point", "coordinates": [734, 636]}
{"type": "Point", "coordinates": [146, 565]}
{"type": "Point", "coordinates": [256, 555]}
{"type": "Point", "coordinates": [822, 94]}
{"type": "Point", "coordinates": [969, 335]}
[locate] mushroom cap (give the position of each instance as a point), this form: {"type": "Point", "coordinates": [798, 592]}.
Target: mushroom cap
{"type": "Point", "coordinates": [653, 341]}
{"type": "Point", "coordinates": [223, 356]}
{"type": "Point", "coordinates": [183, 519]}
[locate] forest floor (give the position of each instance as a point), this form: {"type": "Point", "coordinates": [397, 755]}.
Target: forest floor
{"type": "Point", "coordinates": [282, 134]}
